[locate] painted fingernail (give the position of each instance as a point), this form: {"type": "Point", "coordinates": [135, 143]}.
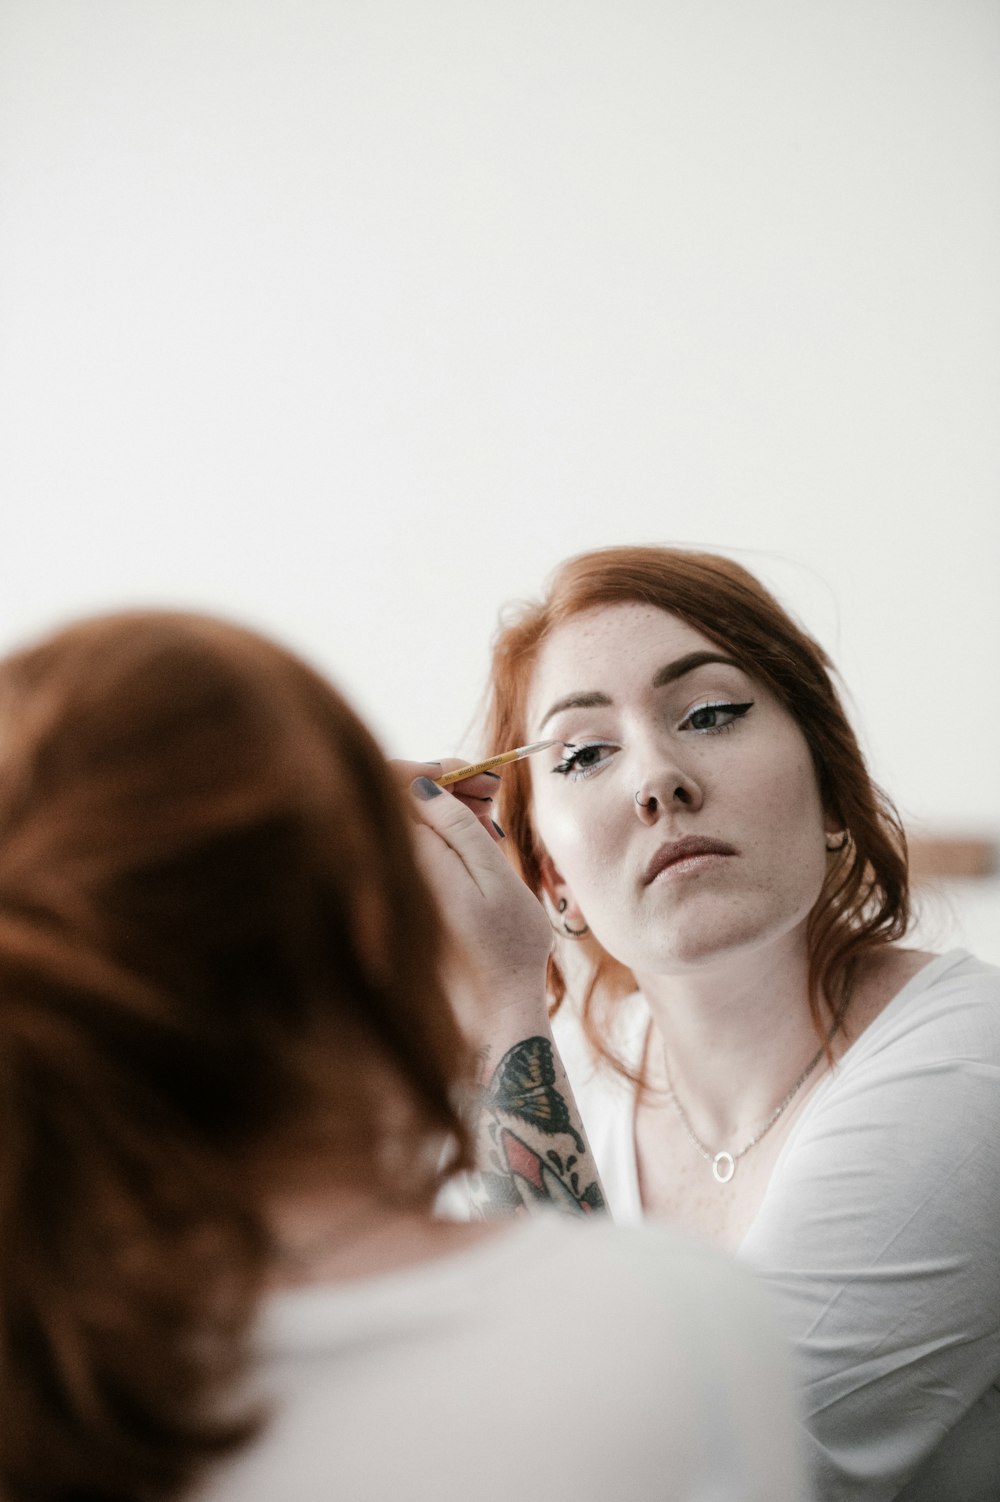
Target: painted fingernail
{"type": "Point", "coordinates": [422, 787]}
{"type": "Point", "coordinates": [499, 831]}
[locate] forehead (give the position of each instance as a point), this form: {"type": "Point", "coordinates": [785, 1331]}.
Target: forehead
{"type": "Point", "coordinates": [608, 645]}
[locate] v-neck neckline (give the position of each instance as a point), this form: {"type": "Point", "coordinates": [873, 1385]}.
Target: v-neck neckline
{"type": "Point", "coordinates": [928, 972]}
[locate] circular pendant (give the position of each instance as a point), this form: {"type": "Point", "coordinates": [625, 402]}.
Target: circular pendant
{"type": "Point", "coordinates": [723, 1166]}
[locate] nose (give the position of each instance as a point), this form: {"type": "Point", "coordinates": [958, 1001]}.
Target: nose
{"type": "Point", "coordinates": [665, 791]}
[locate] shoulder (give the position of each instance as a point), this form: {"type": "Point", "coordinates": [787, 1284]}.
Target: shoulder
{"type": "Point", "coordinates": [912, 1002]}
{"type": "Point", "coordinates": [915, 1092]}
{"type": "Point", "coordinates": [650, 1277]}
{"type": "Point", "coordinates": [693, 1338]}
{"type": "Point", "coordinates": [907, 1117]}
{"type": "Point", "coordinates": [550, 1327]}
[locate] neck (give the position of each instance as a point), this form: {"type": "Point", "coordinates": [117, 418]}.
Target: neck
{"type": "Point", "coordinates": [709, 1021]}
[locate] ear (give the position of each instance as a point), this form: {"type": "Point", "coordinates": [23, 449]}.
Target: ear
{"type": "Point", "coordinates": [833, 823]}
{"type": "Point", "coordinates": [557, 890]}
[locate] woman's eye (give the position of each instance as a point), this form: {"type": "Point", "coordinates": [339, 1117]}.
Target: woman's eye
{"type": "Point", "coordinates": [714, 717]}
{"type": "Point", "coordinates": [584, 760]}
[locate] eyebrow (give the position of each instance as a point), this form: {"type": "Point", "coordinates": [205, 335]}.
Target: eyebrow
{"type": "Point", "coordinates": [682, 665]}
{"type": "Point", "coordinates": [669, 673]}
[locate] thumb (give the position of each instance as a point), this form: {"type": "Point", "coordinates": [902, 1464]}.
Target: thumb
{"type": "Point", "coordinates": [458, 828]}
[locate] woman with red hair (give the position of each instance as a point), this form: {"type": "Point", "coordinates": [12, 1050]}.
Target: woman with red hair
{"type": "Point", "coordinates": [229, 1076]}
{"type": "Point", "coordinates": [754, 1054]}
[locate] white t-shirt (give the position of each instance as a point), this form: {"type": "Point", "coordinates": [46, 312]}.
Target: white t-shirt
{"type": "Point", "coordinates": [879, 1233]}
{"type": "Point", "coordinates": [565, 1360]}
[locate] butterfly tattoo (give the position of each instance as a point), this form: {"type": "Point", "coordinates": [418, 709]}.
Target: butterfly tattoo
{"type": "Point", "coordinates": [524, 1086]}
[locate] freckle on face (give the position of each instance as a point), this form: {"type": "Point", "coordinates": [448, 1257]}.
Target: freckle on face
{"type": "Point", "coordinates": [759, 786]}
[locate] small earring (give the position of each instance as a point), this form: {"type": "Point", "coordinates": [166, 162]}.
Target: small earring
{"type": "Point", "coordinates": [571, 933]}
{"type": "Point", "coordinates": [838, 841]}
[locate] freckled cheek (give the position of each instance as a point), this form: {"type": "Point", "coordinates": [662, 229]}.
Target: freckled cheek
{"type": "Point", "coordinates": [786, 795]}
{"type": "Point", "coordinates": [787, 828]}
{"type": "Point", "coordinates": [578, 845]}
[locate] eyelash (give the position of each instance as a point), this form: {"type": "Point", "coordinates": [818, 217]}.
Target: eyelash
{"type": "Point", "coordinates": [571, 766]}
{"type": "Point", "coordinates": [572, 769]}
{"type": "Point", "coordinates": [736, 710]}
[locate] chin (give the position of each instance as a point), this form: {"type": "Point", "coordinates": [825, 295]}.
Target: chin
{"type": "Point", "coordinates": [699, 942]}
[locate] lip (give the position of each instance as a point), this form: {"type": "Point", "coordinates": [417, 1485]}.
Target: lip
{"type": "Point", "coordinates": [680, 850]}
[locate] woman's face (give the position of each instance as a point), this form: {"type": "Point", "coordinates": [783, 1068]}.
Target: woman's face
{"type": "Point", "coordinates": [648, 707]}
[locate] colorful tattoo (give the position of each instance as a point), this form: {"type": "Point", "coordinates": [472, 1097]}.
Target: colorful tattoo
{"type": "Point", "coordinates": [520, 1111]}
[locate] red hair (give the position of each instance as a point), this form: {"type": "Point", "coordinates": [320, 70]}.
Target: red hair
{"type": "Point", "coordinates": [218, 960]}
{"type": "Point", "coordinates": [864, 903]}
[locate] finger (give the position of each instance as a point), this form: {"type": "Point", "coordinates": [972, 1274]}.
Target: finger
{"type": "Point", "coordinates": [406, 771]}
{"type": "Point", "coordinates": [460, 830]}
{"type": "Point", "coordinates": [483, 811]}
{"type": "Point", "coordinates": [477, 793]}
{"type": "Point", "coordinates": [441, 861]}
{"type": "Point", "coordinates": [483, 785]}
{"type": "Point", "coordinates": [486, 819]}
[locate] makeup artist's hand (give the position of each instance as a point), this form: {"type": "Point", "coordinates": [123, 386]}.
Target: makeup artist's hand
{"type": "Point", "coordinates": [499, 926]}
{"type": "Point", "coordinates": [477, 793]}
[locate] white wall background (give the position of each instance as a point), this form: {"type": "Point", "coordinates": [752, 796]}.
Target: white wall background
{"type": "Point", "coordinates": [353, 317]}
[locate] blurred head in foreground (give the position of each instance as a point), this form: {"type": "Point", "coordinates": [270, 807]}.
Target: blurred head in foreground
{"type": "Point", "coordinates": [219, 992]}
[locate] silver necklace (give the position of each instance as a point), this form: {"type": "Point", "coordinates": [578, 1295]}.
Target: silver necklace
{"type": "Point", "coordinates": [724, 1162]}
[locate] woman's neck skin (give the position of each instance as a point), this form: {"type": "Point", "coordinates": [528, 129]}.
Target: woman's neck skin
{"type": "Point", "coordinates": [734, 1034]}
{"type": "Point", "coordinates": [735, 1042]}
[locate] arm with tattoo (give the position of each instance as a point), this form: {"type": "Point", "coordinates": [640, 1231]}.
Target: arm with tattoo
{"type": "Point", "coordinates": [529, 1139]}
{"type": "Point", "coordinates": [530, 1151]}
